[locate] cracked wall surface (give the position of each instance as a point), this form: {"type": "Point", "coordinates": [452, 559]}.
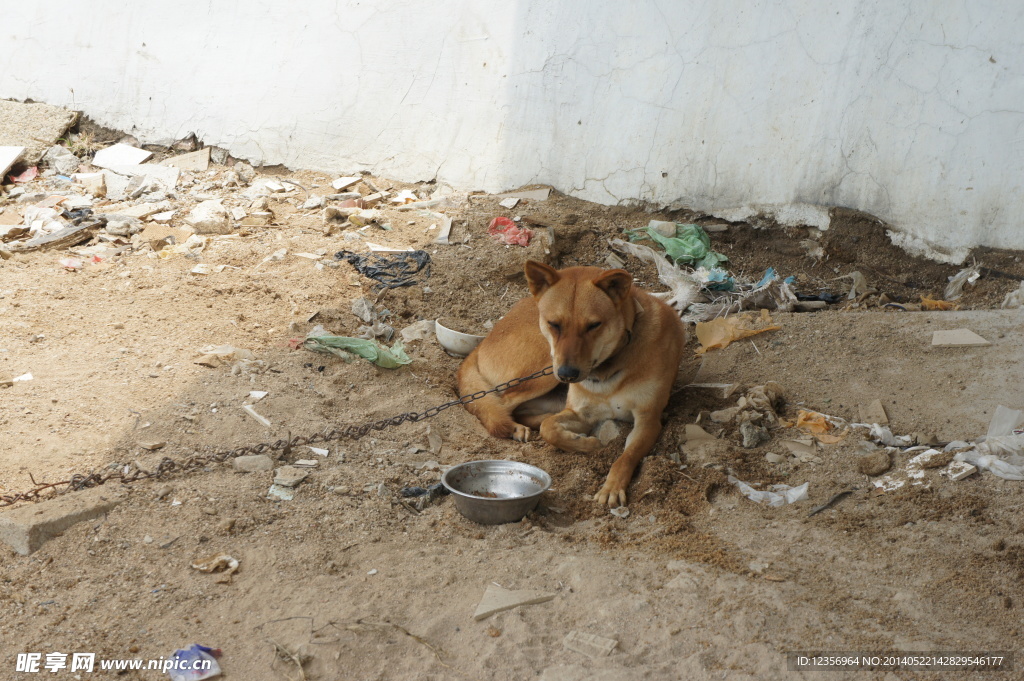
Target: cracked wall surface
{"type": "Point", "coordinates": [909, 111]}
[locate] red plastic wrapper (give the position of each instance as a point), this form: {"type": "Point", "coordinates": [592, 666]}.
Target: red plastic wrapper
{"type": "Point", "coordinates": [508, 232]}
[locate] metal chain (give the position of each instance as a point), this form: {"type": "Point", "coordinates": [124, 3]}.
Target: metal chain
{"type": "Point", "coordinates": [134, 472]}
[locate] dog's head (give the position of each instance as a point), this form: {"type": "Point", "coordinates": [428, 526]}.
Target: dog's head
{"type": "Point", "coordinates": [585, 313]}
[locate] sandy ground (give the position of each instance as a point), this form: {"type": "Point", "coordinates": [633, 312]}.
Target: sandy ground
{"type": "Point", "coordinates": [697, 582]}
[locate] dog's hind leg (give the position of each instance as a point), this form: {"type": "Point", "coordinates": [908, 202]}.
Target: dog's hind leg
{"type": "Point", "coordinates": [495, 411]}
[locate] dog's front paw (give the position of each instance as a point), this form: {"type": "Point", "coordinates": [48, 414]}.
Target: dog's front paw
{"type": "Point", "coordinates": [612, 493]}
{"type": "Point", "coordinates": [521, 433]}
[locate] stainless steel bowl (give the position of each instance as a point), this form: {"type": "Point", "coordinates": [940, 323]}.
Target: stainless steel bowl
{"type": "Point", "coordinates": [495, 492]}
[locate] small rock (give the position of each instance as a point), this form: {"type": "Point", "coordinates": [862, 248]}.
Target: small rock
{"type": "Point", "coordinates": [61, 159]}
{"type": "Point", "coordinates": [210, 217]}
{"type": "Point", "coordinates": [313, 202]}
{"type": "Point", "coordinates": [164, 491]}
{"type": "Point", "coordinates": [122, 225]}
{"type": "Point", "coordinates": [774, 458]}
{"type": "Point", "coordinates": [255, 462]}
{"type": "Point", "coordinates": [245, 172]}
{"type": "Point", "coordinates": [209, 510]}
{"type": "Point", "coordinates": [226, 525]}
{"type": "Point", "coordinates": [875, 463]}
{"type": "Point", "coordinates": [752, 435]}
{"type": "Point", "coordinates": [290, 476]}
{"type": "Point", "coordinates": [147, 539]}
{"type": "Point", "coordinates": [620, 512]}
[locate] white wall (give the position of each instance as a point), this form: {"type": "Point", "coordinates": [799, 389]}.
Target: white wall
{"type": "Point", "coordinates": [911, 111]}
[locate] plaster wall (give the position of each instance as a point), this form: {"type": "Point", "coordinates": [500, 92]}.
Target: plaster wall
{"type": "Point", "coordinates": [911, 111]}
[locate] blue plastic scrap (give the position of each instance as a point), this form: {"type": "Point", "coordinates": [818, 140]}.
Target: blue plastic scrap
{"type": "Point", "coordinates": [195, 663]}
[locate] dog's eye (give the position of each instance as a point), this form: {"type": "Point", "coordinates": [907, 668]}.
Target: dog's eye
{"type": "Point", "coordinates": [593, 325]}
{"type": "Point", "coordinates": [557, 328]}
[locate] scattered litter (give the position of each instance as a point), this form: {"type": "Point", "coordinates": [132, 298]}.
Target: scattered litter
{"type": "Point", "coordinates": [884, 436]}
{"type": "Point", "coordinates": [71, 264]}
{"type": "Point", "coordinates": [349, 348]}
{"type": "Point", "coordinates": [930, 305]}
{"type": "Point", "coordinates": [689, 244]}
{"type": "Point", "coordinates": [828, 504]}
{"type": "Point", "coordinates": [306, 463]}
{"type": "Point", "coordinates": [290, 476]}
{"type": "Point", "coordinates": [343, 183]}
{"type": "Point", "coordinates": [153, 446]}
{"type": "Point", "coordinates": [196, 663]}
{"type": "Point", "coordinates": [966, 276]}
{"type": "Point", "coordinates": [215, 355]}
{"type": "Point", "coordinates": [682, 287]}
{"type": "Point", "coordinates": [257, 395]}
{"type": "Point", "coordinates": [26, 175]}
{"type": "Point", "coordinates": [779, 495]}
{"type": "Point", "coordinates": [196, 160]}
{"type": "Point", "coordinates": [218, 562]}
{"type": "Point", "coordinates": [421, 330]}
{"type": "Point", "coordinates": [320, 451]}
{"type": "Point", "coordinates": [201, 268]}
{"type": "Point", "coordinates": [120, 155]}
{"type": "Point", "coordinates": [719, 333]}
{"type": "Point", "coordinates": [1002, 450]}
{"type": "Point", "coordinates": [590, 645]}
{"type": "Point", "coordinates": [498, 599]}
{"type": "Point", "coordinates": [874, 413]}
{"type": "Point", "coordinates": [430, 493]}
{"type": "Point", "coordinates": [8, 155]}
{"type": "Point", "coordinates": [23, 377]}
{"type": "Point", "coordinates": [390, 271]}
{"type": "Point", "coordinates": [281, 493]}
{"type": "Point", "coordinates": [455, 342]}
{"type": "Point", "coordinates": [620, 512]}
{"type": "Point", "coordinates": [508, 232]}
{"type": "Point", "coordinates": [957, 338]}
{"type": "Point", "coordinates": [251, 411]}
{"type": "Point", "coordinates": [859, 285]}
{"type": "Point", "coordinates": [510, 203]}
{"type": "Point", "coordinates": [1014, 299]}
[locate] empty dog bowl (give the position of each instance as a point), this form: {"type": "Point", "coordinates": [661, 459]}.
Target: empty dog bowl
{"type": "Point", "coordinates": [495, 492]}
{"type": "Point", "coordinates": [455, 342]}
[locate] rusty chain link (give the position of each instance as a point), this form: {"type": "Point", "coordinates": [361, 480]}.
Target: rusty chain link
{"type": "Point", "coordinates": [133, 472]}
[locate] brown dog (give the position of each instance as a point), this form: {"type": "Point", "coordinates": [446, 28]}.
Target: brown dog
{"type": "Point", "coordinates": [616, 346]}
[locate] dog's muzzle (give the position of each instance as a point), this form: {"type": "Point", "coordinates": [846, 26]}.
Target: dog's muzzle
{"type": "Point", "coordinates": [568, 374]}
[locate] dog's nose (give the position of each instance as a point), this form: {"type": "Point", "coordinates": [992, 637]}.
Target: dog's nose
{"type": "Point", "coordinates": [568, 374]}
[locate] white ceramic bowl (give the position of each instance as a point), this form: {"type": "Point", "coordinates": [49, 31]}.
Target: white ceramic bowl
{"type": "Point", "coordinates": [455, 342]}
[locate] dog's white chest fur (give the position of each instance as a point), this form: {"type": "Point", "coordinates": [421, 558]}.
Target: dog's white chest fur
{"type": "Point", "coordinates": [597, 400]}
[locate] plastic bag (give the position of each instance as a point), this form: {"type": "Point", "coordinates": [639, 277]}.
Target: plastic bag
{"type": "Point", "coordinates": [508, 232]}
{"type": "Point", "coordinates": [775, 496]}
{"type": "Point", "coordinates": [195, 663]}
{"type": "Point", "coordinates": [718, 333]}
{"type": "Point", "coordinates": [955, 289]}
{"type": "Point", "coordinates": [691, 245]}
{"type": "Point", "coordinates": [349, 348]}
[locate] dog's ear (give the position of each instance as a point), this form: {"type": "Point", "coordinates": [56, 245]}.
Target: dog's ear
{"type": "Point", "coordinates": [539, 276]}
{"type": "Point", "coordinates": [616, 283]}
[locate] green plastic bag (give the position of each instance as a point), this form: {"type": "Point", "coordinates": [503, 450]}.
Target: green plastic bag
{"type": "Point", "coordinates": [350, 348]}
{"type": "Point", "coordinates": [690, 246]}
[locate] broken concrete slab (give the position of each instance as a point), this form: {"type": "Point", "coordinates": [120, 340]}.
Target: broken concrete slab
{"type": "Point", "coordinates": [874, 412]}
{"type": "Point", "coordinates": [120, 155]}
{"type": "Point", "coordinates": [590, 645]}
{"type": "Point", "coordinates": [35, 126]}
{"type": "Point", "coordinates": [27, 528]}
{"type": "Point", "coordinates": [290, 476]}
{"type": "Point", "coordinates": [497, 599]}
{"type": "Point", "coordinates": [252, 463]}
{"type": "Point", "coordinates": [141, 175]}
{"type": "Point", "coordinates": [8, 155]}
{"type": "Point", "coordinates": [139, 211]}
{"type": "Point", "coordinates": [197, 160]}
{"type": "Point", "coordinates": [957, 338]}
